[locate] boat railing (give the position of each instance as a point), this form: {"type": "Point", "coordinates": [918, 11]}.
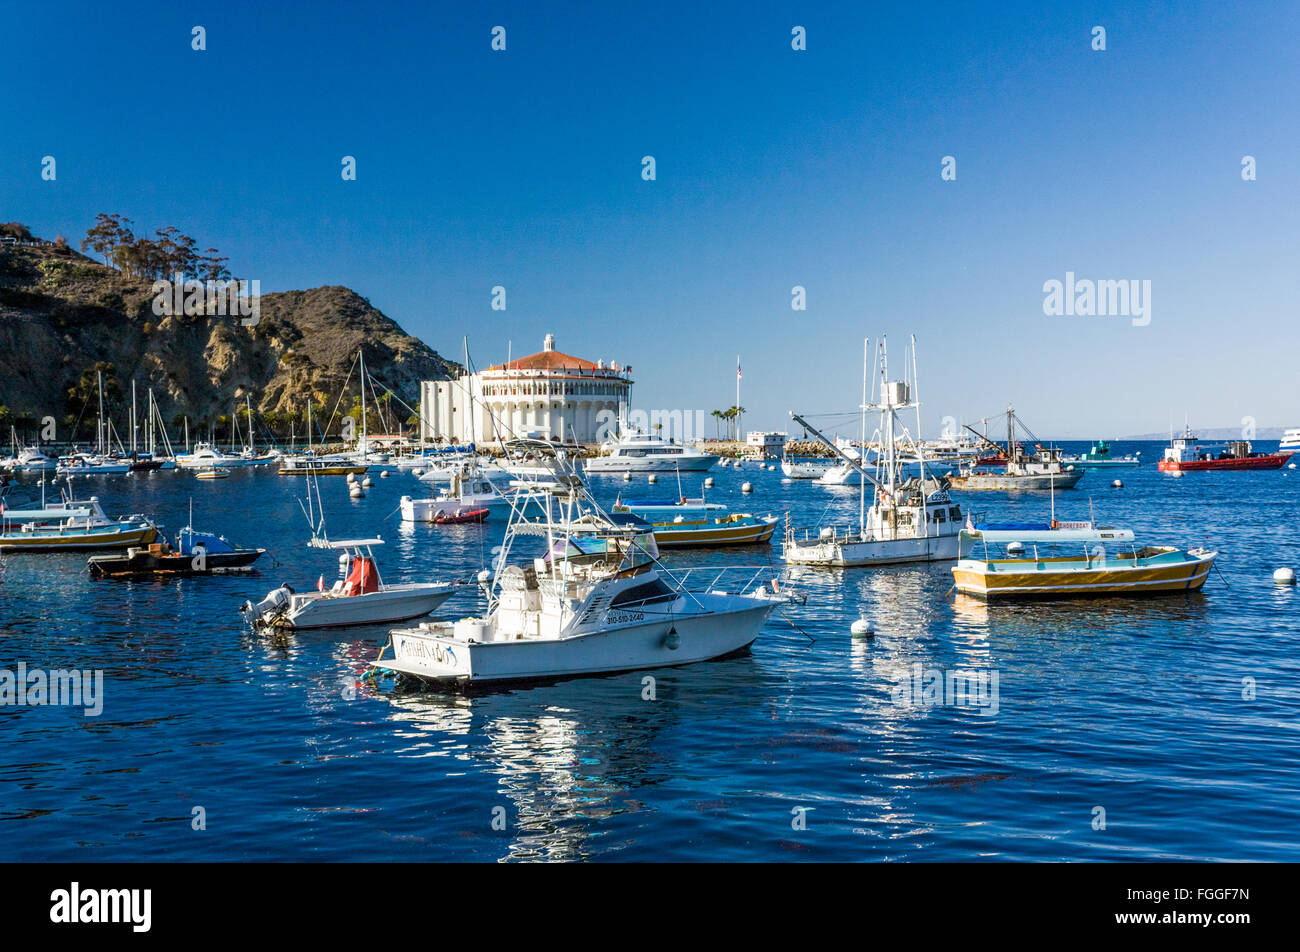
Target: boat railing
{"type": "Point", "coordinates": [748, 577]}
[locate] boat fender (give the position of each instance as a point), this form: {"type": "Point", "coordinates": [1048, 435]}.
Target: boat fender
{"type": "Point", "coordinates": [672, 641]}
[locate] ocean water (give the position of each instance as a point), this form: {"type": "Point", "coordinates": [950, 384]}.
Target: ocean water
{"type": "Point", "coordinates": [1176, 716]}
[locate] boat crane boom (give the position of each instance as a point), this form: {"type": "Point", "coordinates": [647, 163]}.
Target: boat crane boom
{"type": "Point", "coordinates": [996, 446]}
{"type": "Point", "coordinates": [838, 452]}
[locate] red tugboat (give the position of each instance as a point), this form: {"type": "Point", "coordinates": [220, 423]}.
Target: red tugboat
{"type": "Point", "coordinates": [1183, 455]}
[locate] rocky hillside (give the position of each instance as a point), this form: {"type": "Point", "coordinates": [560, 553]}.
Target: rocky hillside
{"type": "Point", "coordinates": [62, 313]}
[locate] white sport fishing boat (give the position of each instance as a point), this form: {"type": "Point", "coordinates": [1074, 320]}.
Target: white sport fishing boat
{"type": "Point", "coordinates": [910, 519]}
{"type": "Point", "coordinates": [595, 601]}
{"type": "Point", "coordinates": [28, 459]}
{"type": "Point", "coordinates": [359, 597]}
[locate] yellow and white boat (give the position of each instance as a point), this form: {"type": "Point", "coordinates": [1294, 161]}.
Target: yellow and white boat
{"type": "Point", "coordinates": [691, 522]}
{"type": "Point", "coordinates": [1071, 560]}
{"type": "Point", "coordinates": [71, 527]}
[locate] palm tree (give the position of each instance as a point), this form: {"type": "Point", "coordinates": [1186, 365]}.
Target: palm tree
{"type": "Point", "coordinates": [730, 416]}
{"type": "Point", "coordinates": [717, 423]}
{"type": "Point", "coordinates": [740, 413]}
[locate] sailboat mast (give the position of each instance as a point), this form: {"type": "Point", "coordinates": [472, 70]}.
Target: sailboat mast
{"type": "Point", "coordinates": [133, 417]}
{"type": "Point", "coordinates": [365, 443]}
{"type": "Point", "coordinates": [862, 455]}
{"type": "Point", "coordinates": [99, 426]}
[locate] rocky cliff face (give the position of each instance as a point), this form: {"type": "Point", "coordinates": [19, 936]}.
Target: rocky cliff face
{"type": "Point", "coordinates": [61, 313]}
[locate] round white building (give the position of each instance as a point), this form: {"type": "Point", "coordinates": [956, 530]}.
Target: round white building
{"type": "Point", "coordinates": [549, 393]}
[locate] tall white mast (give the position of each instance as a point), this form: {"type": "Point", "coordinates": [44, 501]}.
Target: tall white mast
{"type": "Point", "coordinates": [364, 442]}
{"type": "Point", "coordinates": [99, 427]}
{"type": "Point", "coordinates": [862, 454]}
{"type": "Point", "coordinates": [133, 416]}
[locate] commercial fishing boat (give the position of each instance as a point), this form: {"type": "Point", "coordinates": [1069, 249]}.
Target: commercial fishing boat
{"type": "Point", "coordinates": [1184, 455]}
{"type": "Point", "coordinates": [1099, 457]}
{"type": "Point", "coordinates": [595, 601]}
{"type": "Point", "coordinates": [195, 553]}
{"type": "Point", "coordinates": [1042, 468]}
{"type": "Point", "coordinates": [1070, 560]}
{"type": "Point", "coordinates": [910, 519]}
{"type": "Point", "coordinates": [637, 452]}
{"type": "Point", "coordinates": [694, 522]}
{"type": "Point", "coordinates": [71, 526]}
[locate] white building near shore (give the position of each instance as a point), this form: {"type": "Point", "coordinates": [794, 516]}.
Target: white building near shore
{"type": "Point", "coordinates": [548, 393]}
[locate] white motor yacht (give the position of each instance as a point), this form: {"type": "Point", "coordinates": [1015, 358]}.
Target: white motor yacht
{"type": "Point", "coordinates": [641, 453]}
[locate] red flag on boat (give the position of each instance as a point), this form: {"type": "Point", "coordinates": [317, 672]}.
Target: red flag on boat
{"type": "Point", "coordinates": [320, 584]}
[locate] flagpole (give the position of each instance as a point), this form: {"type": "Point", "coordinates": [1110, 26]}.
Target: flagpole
{"type": "Point", "coordinates": [737, 396]}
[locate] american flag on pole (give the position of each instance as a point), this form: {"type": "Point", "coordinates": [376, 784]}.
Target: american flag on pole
{"type": "Point", "coordinates": [737, 368]}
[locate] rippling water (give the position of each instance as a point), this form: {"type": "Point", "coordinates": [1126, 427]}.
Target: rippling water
{"type": "Point", "coordinates": [1136, 707]}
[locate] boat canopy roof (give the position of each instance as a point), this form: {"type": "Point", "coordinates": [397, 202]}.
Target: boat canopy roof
{"type": "Point", "coordinates": [23, 515]}
{"type": "Point", "coordinates": [1049, 535]}
{"type": "Point", "coordinates": [353, 543]}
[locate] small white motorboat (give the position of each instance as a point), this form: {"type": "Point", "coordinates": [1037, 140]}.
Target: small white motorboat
{"type": "Point", "coordinates": [467, 493]}
{"type": "Point", "coordinates": [360, 598]}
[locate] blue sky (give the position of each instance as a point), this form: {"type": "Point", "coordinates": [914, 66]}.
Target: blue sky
{"type": "Point", "coordinates": [775, 168]}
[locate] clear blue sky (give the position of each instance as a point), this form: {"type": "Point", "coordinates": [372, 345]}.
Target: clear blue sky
{"type": "Point", "coordinates": [775, 168]}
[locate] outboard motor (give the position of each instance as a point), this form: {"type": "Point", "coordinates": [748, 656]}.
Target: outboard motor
{"type": "Point", "coordinates": [276, 601]}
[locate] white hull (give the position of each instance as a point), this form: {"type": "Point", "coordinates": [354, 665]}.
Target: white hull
{"type": "Point", "coordinates": [850, 554]}
{"type": "Point", "coordinates": [393, 603]}
{"type": "Point", "coordinates": [806, 469]}
{"type": "Point", "coordinates": [643, 642]}
{"type": "Point", "coordinates": [645, 464]}
{"type": "Point", "coordinates": [429, 510]}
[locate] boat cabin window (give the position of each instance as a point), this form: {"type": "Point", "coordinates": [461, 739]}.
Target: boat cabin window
{"type": "Point", "coordinates": [954, 513]}
{"type": "Point", "coordinates": [653, 591]}
{"type": "Point", "coordinates": [939, 516]}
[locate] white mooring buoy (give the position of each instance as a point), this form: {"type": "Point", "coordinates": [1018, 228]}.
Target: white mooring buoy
{"type": "Point", "coordinates": [356, 492]}
{"type": "Point", "coordinates": [627, 477]}
{"type": "Point", "coordinates": [383, 474]}
{"type": "Point", "coordinates": [708, 482]}
{"type": "Point", "coordinates": [1284, 576]}
{"type": "Point", "coordinates": [417, 472]}
{"type": "Point", "coordinates": [366, 482]}
{"type": "Point", "coordinates": [862, 628]}
{"type": "Point", "coordinates": [654, 478]}
{"type": "Point", "coordinates": [746, 487]}
{"type": "Point", "coordinates": [1070, 468]}
{"type": "Point", "coordinates": [1117, 484]}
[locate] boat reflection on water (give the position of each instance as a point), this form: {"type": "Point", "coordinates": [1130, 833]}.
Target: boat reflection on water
{"type": "Point", "coordinates": [1084, 618]}
{"type": "Point", "coordinates": [564, 767]}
